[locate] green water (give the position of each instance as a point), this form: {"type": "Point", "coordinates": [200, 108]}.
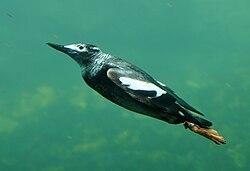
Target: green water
{"type": "Point", "coordinates": [51, 121]}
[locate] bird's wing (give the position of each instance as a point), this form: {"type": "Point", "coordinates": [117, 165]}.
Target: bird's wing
{"type": "Point", "coordinates": [179, 100]}
{"type": "Point", "coordinates": [134, 83]}
{"type": "Point", "coordinates": [145, 89]}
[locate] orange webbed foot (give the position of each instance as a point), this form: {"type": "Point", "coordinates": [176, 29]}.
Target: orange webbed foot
{"type": "Point", "coordinates": [209, 133]}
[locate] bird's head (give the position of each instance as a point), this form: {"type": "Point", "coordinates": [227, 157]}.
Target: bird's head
{"type": "Point", "coordinates": [79, 52]}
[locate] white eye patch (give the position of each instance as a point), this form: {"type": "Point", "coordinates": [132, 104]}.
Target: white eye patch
{"type": "Point", "coordinates": [77, 47]}
{"type": "Point", "coordinates": [141, 85]}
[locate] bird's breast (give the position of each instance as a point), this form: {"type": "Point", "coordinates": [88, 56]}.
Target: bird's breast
{"type": "Point", "coordinates": [117, 95]}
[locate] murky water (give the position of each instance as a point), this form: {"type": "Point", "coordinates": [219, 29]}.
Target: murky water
{"type": "Point", "coordinates": [51, 121]}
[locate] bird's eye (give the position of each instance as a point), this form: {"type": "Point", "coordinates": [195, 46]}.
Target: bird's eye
{"type": "Point", "coordinates": [80, 47]}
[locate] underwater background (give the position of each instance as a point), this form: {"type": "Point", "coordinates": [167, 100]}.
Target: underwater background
{"type": "Point", "coordinates": [50, 120]}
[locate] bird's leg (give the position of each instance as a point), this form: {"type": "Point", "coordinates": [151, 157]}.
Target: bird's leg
{"type": "Point", "coordinates": [206, 132]}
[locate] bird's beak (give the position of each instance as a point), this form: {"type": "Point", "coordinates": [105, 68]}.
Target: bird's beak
{"type": "Point", "coordinates": [59, 47]}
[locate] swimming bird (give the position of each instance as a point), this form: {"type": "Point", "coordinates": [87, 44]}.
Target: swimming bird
{"type": "Point", "coordinates": [132, 88]}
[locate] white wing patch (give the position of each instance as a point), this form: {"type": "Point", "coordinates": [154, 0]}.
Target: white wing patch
{"type": "Point", "coordinates": [141, 85]}
{"type": "Point", "coordinates": [161, 84]}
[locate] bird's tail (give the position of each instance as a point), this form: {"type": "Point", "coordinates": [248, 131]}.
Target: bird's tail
{"type": "Point", "coordinates": [188, 116]}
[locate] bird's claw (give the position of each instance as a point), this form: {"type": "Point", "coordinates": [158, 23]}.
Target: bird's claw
{"type": "Point", "coordinates": [206, 132]}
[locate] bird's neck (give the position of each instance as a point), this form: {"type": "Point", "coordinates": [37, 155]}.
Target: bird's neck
{"type": "Point", "coordinates": [94, 64]}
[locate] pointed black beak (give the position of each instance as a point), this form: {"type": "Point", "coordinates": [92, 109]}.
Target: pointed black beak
{"type": "Point", "coordinates": [58, 47]}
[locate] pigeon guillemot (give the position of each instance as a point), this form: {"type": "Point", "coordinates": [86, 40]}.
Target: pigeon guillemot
{"type": "Point", "coordinates": [132, 88]}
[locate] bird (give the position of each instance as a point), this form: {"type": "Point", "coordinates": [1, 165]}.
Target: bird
{"type": "Point", "coordinates": [132, 88]}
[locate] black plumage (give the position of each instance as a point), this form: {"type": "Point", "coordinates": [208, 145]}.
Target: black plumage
{"type": "Point", "coordinates": [129, 86]}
